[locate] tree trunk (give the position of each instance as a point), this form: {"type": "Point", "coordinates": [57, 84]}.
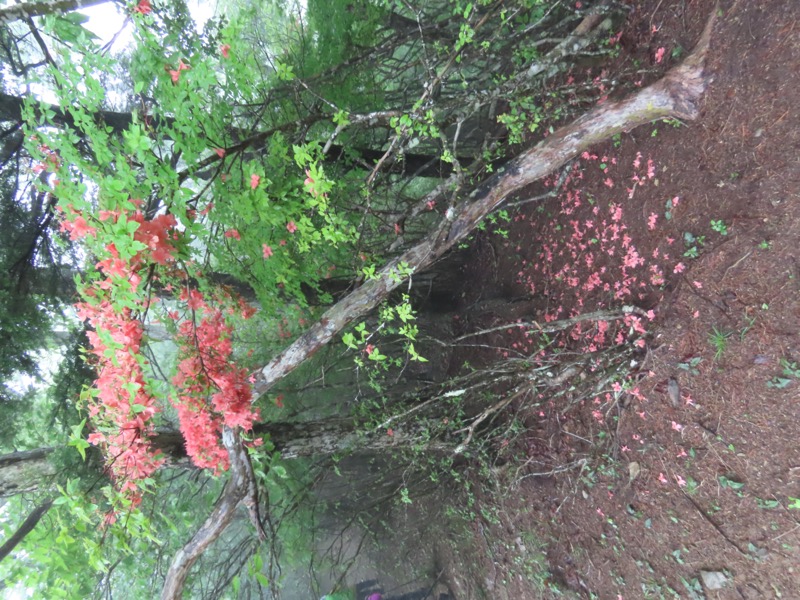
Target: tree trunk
{"type": "Point", "coordinates": [24, 471]}
{"type": "Point", "coordinates": [29, 470]}
{"type": "Point", "coordinates": [419, 165]}
{"type": "Point", "coordinates": [15, 12]}
{"type": "Point", "coordinates": [24, 529]}
{"type": "Point", "coordinates": [314, 438]}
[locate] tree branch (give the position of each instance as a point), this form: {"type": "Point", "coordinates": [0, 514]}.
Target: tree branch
{"type": "Point", "coordinates": [24, 529]}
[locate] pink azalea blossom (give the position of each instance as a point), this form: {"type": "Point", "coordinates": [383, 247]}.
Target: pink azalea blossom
{"type": "Point", "coordinates": [176, 74]}
{"type": "Point", "coordinates": [291, 227]}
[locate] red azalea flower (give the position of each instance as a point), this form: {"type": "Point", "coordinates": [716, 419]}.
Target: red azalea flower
{"type": "Point", "coordinates": [176, 74]}
{"type": "Point", "coordinates": [144, 7]}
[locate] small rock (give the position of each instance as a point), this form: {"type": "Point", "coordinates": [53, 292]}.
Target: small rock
{"type": "Point", "coordinates": [674, 392]}
{"type": "Point", "coordinates": [633, 471]}
{"type": "Point", "coordinates": [760, 359]}
{"type": "Point", "coordinates": [714, 580]}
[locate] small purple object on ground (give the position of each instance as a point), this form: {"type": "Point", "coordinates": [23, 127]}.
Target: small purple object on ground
{"type": "Point", "coordinates": [374, 597]}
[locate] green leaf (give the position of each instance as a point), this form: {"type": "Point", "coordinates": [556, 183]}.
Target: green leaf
{"type": "Point", "coordinates": [414, 356]}
{"type": "Point", "coordinates": [76, 439]}
{"type": "Point", "coordinates": [349, 340]}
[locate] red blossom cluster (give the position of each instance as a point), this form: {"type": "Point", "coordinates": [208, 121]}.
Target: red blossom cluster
{"type": "Point", "coordinates": [175, 74]}
{"type": "Point", "coordinates": [119, 404]}
{"type": "Point", "coordinates": [211, 390]}
{"type": "Point", "coordinates": [143, 7]}
{"type": "Point", "coordinates": [51, 162]}
{"type": "Point", "coordinates": [158, 234]}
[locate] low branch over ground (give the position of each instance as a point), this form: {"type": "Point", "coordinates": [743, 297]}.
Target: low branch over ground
{"type": "Point", "coordinates": [676, 95]}
{"type": "Point", "coordinates": [240, 486]}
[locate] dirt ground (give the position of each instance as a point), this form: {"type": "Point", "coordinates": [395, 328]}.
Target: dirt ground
{"type": "Point", "coordinates": [681, 480]}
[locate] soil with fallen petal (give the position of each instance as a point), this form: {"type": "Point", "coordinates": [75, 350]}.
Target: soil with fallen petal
{"type": "Point", "coordinates": [689, 461]}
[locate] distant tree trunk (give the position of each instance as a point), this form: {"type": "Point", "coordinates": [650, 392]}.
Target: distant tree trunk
{"type": "Point", "coordinates": [418, 165]}
{"type": "Point", "coordinates": [24, 471]}
{"type": "Point", "coordinates": [315, 438]}
{"type": "Point", "coordinates": [27, 526]}
{"type": "Point", "coordinates": [15, 12]}
{"type": "Point", "coordinates": [29, 470]}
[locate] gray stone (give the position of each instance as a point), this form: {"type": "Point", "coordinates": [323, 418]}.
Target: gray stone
{"type": "Point", "coordinates": [714, 580]}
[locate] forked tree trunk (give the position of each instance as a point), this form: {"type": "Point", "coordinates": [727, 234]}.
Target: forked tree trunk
{"type": "Point", "coordinates": [676, 95]}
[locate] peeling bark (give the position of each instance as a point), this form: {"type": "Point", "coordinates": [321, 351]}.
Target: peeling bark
{"type": "Point", "coordinates": [676, 95]}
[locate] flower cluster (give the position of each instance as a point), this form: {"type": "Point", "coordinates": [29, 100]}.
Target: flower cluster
{"type": "Point", "coordinates": [210, 390]}
{"type": "Point", "coordinates": [119, 404]}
